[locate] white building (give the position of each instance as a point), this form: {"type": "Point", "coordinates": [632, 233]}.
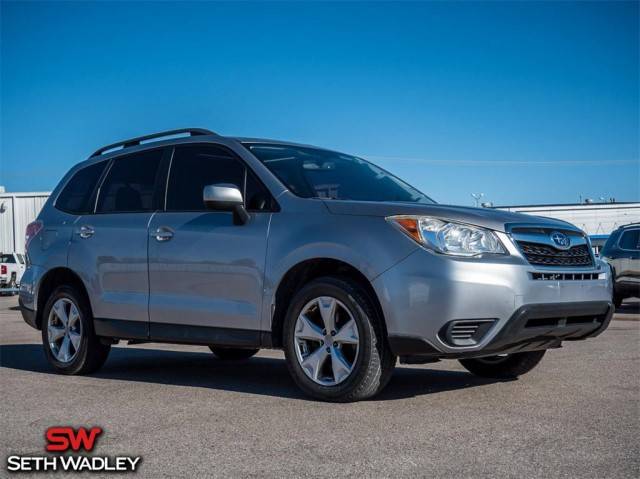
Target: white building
{"type": "Point", "coordinates": [593, 218]}
{"type": "Point", "coordinates": [17, 210]}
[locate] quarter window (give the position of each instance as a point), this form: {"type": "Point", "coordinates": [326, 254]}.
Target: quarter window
{"type": "Point", "coordinates": [130, 183]}
{"type": "Point", "coordinates": [77, 194]}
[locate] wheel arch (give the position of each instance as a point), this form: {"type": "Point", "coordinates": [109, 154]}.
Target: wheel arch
{"type": "Point", "coordinates": [305, 271]}
{"type": "Point", "coordinates": [50, 281]}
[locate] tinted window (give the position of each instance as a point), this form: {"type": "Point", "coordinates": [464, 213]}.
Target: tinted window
{"type": "Point", "coordinates": [130, 183]}
{"type": "Point", "coordinates": [316, 173]}
{"type": "Point", "coordinates": [77, 194]}
{"type": "Point", "coordinates": [630, 240]}
{"type": "Point", "coordinates": [21, 259]}
{"type": "Point", "coordinates": [7, 258]}
{"type": "Point", "coordinates": [194, 167]}
{"type": "Point", "coordinates": [610, 244]}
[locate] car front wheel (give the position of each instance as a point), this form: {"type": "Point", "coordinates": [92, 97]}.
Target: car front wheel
{"type": "Point", "coordinates": [334, 342]}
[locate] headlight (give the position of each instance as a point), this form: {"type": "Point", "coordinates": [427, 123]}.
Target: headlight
{"type": "Point", "coordinates": [447, 237]}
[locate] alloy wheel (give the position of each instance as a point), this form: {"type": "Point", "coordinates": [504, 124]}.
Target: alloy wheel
{"type": "Point", "coordinates": [64, 330]}
{"type": "Point", "coordinates": [326, 341]}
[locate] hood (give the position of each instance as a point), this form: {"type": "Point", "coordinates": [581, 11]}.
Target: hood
{"type": "Point", "coordinates": [485, 217]}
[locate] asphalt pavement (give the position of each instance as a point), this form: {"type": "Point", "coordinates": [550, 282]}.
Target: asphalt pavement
{"type": "Point", "coordinates": [190, 415]}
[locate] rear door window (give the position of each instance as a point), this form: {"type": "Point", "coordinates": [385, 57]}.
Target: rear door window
{"type": "Point", "coordinates": [78, 194]}
{"type": "Point", "coordinates": [130, 185]}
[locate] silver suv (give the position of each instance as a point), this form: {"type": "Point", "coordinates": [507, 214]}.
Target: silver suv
{"type": "Point", "coordinates": [241, 244]}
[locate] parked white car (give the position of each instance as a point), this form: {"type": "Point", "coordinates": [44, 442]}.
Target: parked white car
{"type": "Point", "coordinates": [12, 266]}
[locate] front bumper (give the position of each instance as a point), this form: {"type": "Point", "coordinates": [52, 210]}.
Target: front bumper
{"type": "Point", "coordinates": [425, 293]}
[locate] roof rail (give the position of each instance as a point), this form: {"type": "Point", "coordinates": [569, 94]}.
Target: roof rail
{"type": "Point", "coordinates": [138, 140]}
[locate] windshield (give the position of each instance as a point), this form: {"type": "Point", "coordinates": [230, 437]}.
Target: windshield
{"type": "Point", "coordinates": [316, 173]}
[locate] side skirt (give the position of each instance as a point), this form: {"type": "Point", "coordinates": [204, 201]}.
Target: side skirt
{"type": "Point", "coordinates": [180, 333]}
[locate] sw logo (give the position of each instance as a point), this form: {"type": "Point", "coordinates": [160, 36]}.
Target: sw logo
{"type": "Point", "coordinates": [64, 439]}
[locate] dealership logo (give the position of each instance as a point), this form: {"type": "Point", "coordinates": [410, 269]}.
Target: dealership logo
{"type": "Point", "coordinates": [561, 240]}
{"type": "Point", "coordinates": [65, 439]}
{"type": "Point", "coordinates": [61, 439]}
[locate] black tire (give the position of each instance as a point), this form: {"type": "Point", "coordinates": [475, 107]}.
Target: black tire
{"type": "Point", "coordinates": [617, 300]}
{"type": "Point", "coordinates": [92, 353]}
{"type": "Point", "coordinates": [509, 367]}
{"type": "Point", "coordinates": [233, 354]}
{"type": "Point", "coordinates": [13, 284]}
{"type": "Point", "coordinates": [374, 363]}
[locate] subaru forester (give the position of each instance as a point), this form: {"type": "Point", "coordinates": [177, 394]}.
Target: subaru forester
{"type": "Point", "coordinates": [239, 244]}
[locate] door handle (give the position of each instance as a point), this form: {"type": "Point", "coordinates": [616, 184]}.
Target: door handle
{"type": "Point", "coordinates": [163, 233]}
{"type": "Point", "coordinates": [86, 232]}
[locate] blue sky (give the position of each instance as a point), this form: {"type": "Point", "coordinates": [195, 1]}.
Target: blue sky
{"type": "Point", "coordinates": [525, 102]}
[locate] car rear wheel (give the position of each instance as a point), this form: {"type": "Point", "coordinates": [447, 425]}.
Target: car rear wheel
{"type": "Point", "coordinates": [233, 354]}
{"type": "Point", "coordinates": [70, 343]}
{"type": "Point", "coordinates": [503, 366]}
{"type": "Point", "coordinates": [334, 342]}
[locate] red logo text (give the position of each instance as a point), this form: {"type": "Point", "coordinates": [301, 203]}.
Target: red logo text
{"type": "Point", "coordinates": [62, 439]}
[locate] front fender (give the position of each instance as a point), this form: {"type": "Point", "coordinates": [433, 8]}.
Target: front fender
{"type": "Point", "coordinates": [367, 243]}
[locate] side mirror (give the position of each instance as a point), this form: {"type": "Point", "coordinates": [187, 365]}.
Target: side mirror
{"type": "Point", "coordinates": [224, 197]}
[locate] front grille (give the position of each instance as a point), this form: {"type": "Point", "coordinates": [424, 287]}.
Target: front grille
{"type": "Point", "coordinates": [543, 255]}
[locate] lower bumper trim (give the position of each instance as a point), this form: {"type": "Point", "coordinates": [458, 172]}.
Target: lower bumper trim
{"type": "Point", "coordinates": [531, 327]}
{"type": "Point", "coordinates": [409, 346]}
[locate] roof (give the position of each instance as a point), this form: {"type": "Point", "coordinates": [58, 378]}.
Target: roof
{"type": "Point", "coordinates": [629, 225]}
{"type": "Point", "coordinates": [167, 136]}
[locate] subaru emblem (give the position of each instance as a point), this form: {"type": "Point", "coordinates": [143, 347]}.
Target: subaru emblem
{"type": "Point", "coordinates": [561, 240]}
